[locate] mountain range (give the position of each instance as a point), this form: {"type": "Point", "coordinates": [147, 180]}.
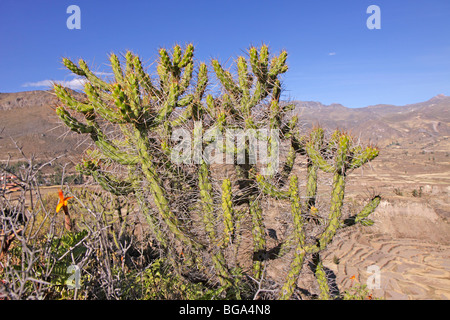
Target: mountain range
{"type": "Point", "coordinates": [29, 119]}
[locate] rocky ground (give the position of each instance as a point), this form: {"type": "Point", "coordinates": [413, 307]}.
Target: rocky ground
{"type": "Point", "coordinates": [410, 240]}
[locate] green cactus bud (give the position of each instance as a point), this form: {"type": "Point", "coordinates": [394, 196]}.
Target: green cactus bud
{"type": "Point", "coordinates": [144, 79]}
{"type": "Point", "coordinates": [254, 62]}
{"type": "Point", "coordinates": [226, 79]}
{"type": "Point", "coordinates": [342, 154]}
{"type": "Point", "coordinates": [129, 57]}
{"type": "Point", "coordinates": [121, 101]}
{"type": "Point", "coordinates": [187, 57]}
{"type": "Point", "coordinates": [73, 123]}
{"type": "Point", "coordinates": [176, 56]}
{"type": "Point", "coordinates": [363, 157]}
{"type": "Point", "coordinates": [165, 60]}
{"type": "Point", "coordinates": [202, 81]}
{"type": "Point", "coordinates": [317, 158]}
{"type": "Point", "coordinates": [263, 61]}
{"type": "Point", "coordinates": [169, 104]}
{"type": "Point", "coordinates": [96, 81]}
{"type": "Point", "coordinates": [187, 77]}
{"type": "Point", "coordinates": [69, 100]}
{"type": "Point", "coordinates": [243, 80]}
{"type": "Point", "coordinates": [116, 67]}
{"type": "Point", "coordinates": [278, 66]}
{"type": "Point", "coordinates": [73, 67]}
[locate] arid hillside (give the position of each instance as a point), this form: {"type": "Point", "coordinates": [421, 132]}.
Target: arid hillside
{"type": "Point", "coordinates": [29, 119]}
{"type": "Point", "coordinates": [410, 240]}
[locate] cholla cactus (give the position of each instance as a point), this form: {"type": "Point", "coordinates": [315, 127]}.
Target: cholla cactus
{"type": "Point", "coordinates": [185, 210]}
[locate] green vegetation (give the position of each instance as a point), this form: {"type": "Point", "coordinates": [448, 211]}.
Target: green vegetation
{"type": "Point", "coordinates": [196, 222]}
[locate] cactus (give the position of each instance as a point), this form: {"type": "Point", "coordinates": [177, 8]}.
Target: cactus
{"type": "Point", "coordinates": [174, 197]}
{"type": "Point", "coordinates": [228, 212]}
{"type": "Point", "coordinates": [259, 241]}
{"type": "Point", "coordinates": [299, 238]}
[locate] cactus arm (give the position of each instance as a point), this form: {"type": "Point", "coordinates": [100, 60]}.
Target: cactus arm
{"type": "Point", "coordinates": [186, 77]}
{"type": "Point", "coordinates": [317, 158]}
{"type": "Point", "coordinates": [144, 79]}
{"type": "Point", "coordinates": [228, 212]}
{"type": "Point", "coordinates": [208, 221]}
{"type": "Point", "coordinates": [363, 157]}
{"type": "Point", "coordinates": [97, 136]}
{"type": "Point", "coordinates": [243, 81]}
{"type": "Point", "coordinates": [311, 185]}
{"type": "Point", "coordinates": [65, 97]}
{"type": "Point", "coordinates": [202, 81]}
{"type": "Point", "coordinates": [321, 278]}
{"type": "Point", "coordinates": [275, 115]}
{"type": "Point", "coordinates": [288, 165]}
{"type": "Point", "coordinates": [116, 67]}
{"type": "Point", "coordinates": [368, 209]}
{"type": "Point", "coordinates": [187, 56]}
{"type": "Point", "coordinates": [259, 241]}
{"type": "Point", "coordinates": [73, 67]}
{"type": "Point", "coordinates": [99, 106]}
{"type": "Point", "coordinates": [289, 129]}
{"type": "Point", "coordinates": [73, 123]}
{"type": "Point", "coordinates": [169, 104]}
{"type": "Point", "coordinates": [337, 199]}
{"type": "Point", "coordinates": [299, 238]}
{"type": "Point", "coordinates": [269, 189]}
{"type": "Point", "coordinates": [96, 81]}
{"type": "Point", "coordinates": [278, 65]}
{"type": "Point", "coordinates": [108, 181]}
{"type": "Point", "coordinates": [342, 153]}
{"type": "Point", "coordinates": [226, 80]}
{"type": "Point", "coordinates": [157, 191]}
{"type": "Point", "coordinates": [362, 216]}
{"type": "Point", "coordinates": [183, 117]}
{"type": "Point", "coordinates": [207, 201]}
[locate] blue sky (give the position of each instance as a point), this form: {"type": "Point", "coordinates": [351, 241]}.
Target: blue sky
{"type": "Point", "coordinates": [333, 56]}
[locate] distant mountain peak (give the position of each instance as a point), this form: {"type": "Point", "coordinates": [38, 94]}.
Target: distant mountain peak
{"type": "Point", "coordinates": [439, 97]}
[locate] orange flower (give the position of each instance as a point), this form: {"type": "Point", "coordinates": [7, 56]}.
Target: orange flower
{"type": "Point", "coordinates": [62, 202]}
{"type": "Point", "coordinates": [352, 277]}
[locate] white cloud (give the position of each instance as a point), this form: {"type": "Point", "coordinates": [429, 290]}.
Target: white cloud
{"type": "Point", "coordinates": [332, 53]}
{"type": "Point", "coordinates": [75, 83]}
{"type": "Point", "coordinates": [99, 73]}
